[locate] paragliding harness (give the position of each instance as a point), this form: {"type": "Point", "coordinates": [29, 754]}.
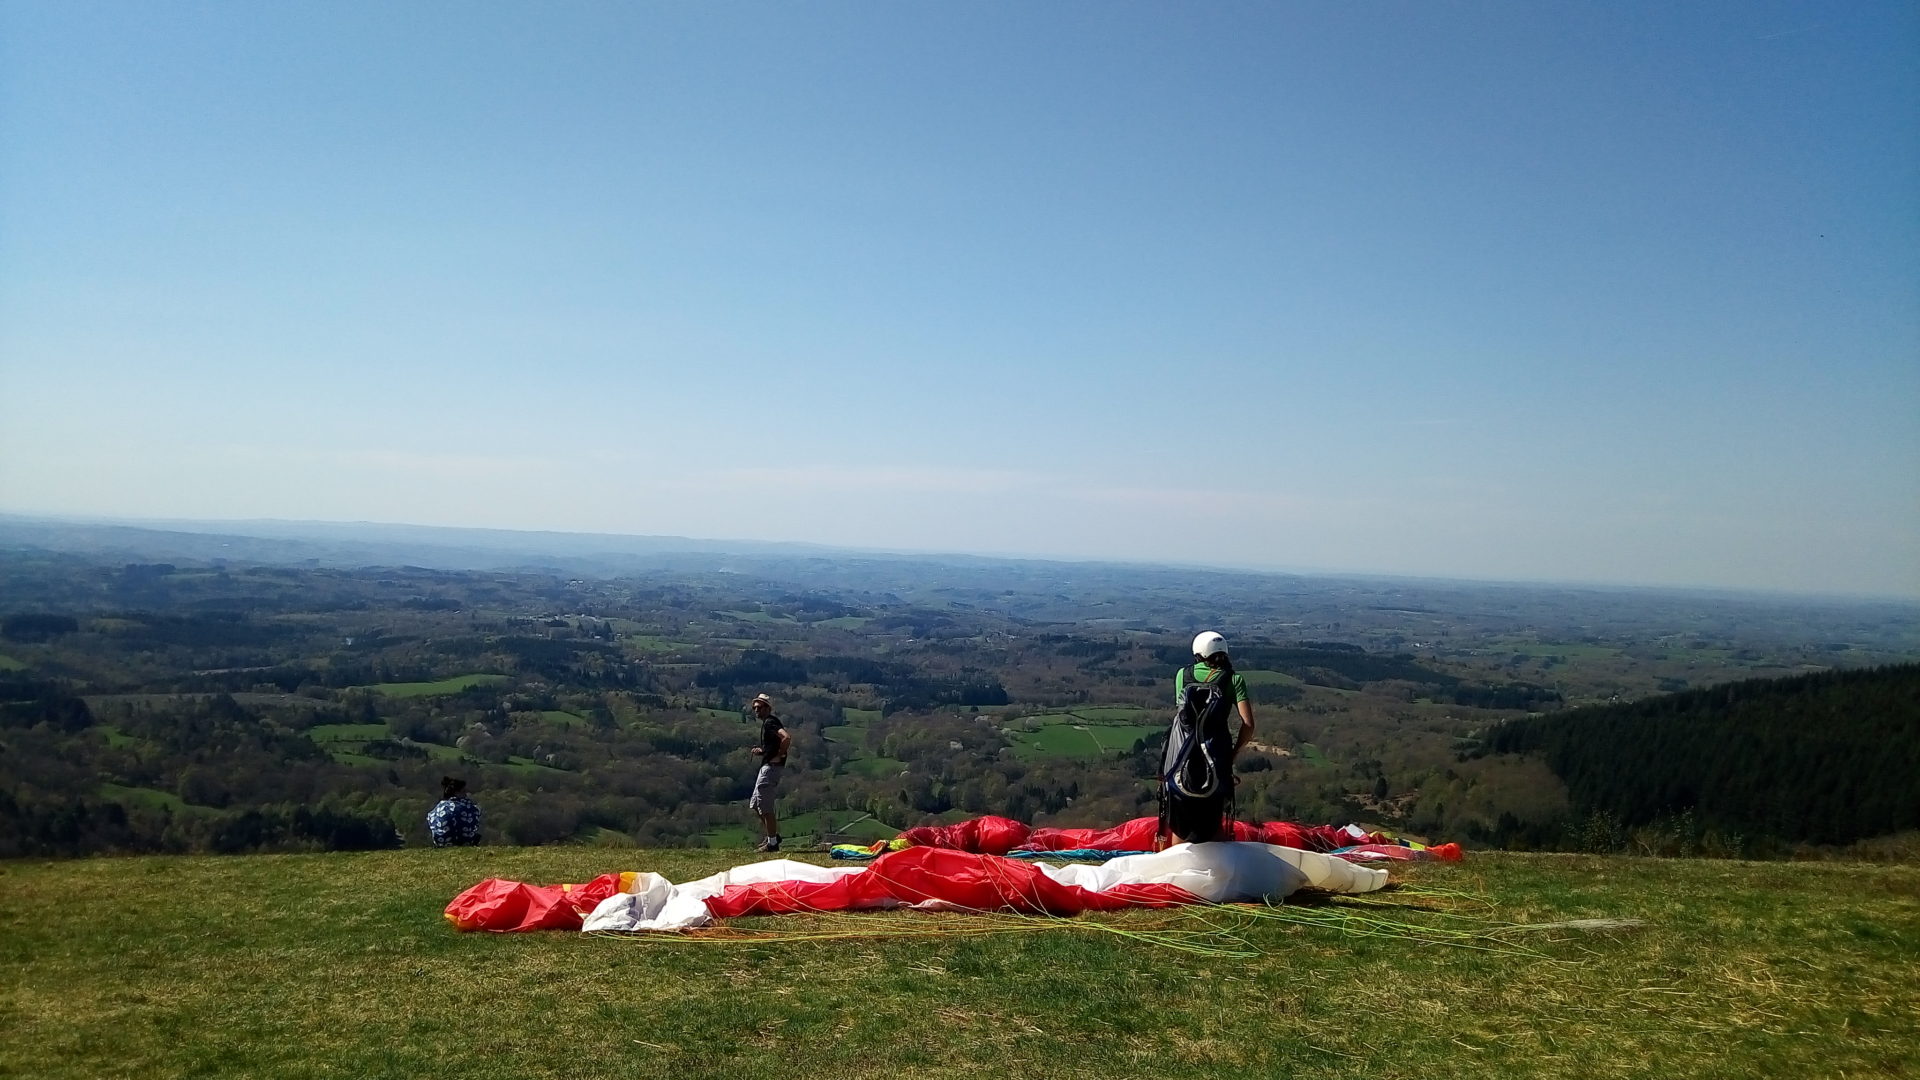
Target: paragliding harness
{"type": "Point", "coordinates": [1198, 764]}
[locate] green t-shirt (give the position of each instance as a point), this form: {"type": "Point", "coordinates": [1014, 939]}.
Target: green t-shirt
{"type": "Point", "coordinates": [1202, 672]}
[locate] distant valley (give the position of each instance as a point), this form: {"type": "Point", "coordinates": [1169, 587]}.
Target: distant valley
{"type": "Point", "coordinates": [172, 690]}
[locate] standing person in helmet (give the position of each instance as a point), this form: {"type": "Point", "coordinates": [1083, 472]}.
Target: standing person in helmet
{"type": "Point", "coordinates": [1213, 720]}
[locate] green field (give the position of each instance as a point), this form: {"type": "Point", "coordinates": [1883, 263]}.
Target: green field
{"type": "Point", "coordinates": [1090, 740]}
{"type": "Point", "coordinates": [150, 797]}
{"type": "Point", "coordinates": [341, 741]}
{"type": "Point", "coordinates": [116, 738]}
{"type": "Point", "coordinates": [876, 767]}
{"type": "Point", "coordinates": [1311, 753]}
{"type": "Point", "coordinates": [563, 719]}
{"type": "Point", "coordinates": [322, 733]}
{"type": "Point", "coordinates": [1078, 733]}
{"type": "Point", "coordinates": [8, 663]}
{"type": "Point", "coordinates": [756, 616]}
{"type": "Point", "coordinates": [1566, 651]}
{"type": "Point", "coordinates": [341, 966]}
{"type": "Point", "coordinates": [732, 837]}
{"type": "Point", "coordinates": [601, 836]}
{"type": "Point", "coordinates": [655, 643]}
{"type": "Point", "coordinates": [1260, 677]}
{"type": "Point", "coordinates": [853, 734]}
{"type": "Point", "coordinates": [854, 730]}
{"type": "Point", "coordinates": [432, 689]}
{"type": "Point", "coordinates": [1124, 714]}
{"type": "Point", "coordinates": [441, 753]}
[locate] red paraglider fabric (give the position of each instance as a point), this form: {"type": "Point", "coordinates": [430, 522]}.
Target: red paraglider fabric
{"type": "Point", "coordinates": [986, 835]}
{"type": "Point", "coordinates": [505, 906]}
{"type": "Point", "coordinates": [1135, 835]}
{"type": "Point", "coordinates": [1138, 835]}
{"type": "Point", "coordinates": [965, 879]}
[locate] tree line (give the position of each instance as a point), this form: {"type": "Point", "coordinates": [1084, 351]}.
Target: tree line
{"type": "Point", "coordinates": [1823, 758]}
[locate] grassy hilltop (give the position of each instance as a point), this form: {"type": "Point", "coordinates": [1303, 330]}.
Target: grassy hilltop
{"type": "Point", "coordinates": [340, 965]}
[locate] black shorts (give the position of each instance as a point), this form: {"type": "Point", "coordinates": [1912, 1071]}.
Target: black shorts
{"type": "Point", "coordinates": [1197, 820]}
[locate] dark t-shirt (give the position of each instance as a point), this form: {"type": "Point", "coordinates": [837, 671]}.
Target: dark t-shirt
{"type": "Point", "coordinates": [770, 730]}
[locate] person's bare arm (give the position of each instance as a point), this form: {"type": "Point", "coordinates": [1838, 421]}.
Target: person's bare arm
{"type": "Point", "coordinates": [1246, 726]}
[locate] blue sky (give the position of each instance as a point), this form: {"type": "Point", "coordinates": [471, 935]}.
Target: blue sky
{"type": "Point", "coordinates": [1596, 293]}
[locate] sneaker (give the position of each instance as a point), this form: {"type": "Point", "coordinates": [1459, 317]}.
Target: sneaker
{"type": "Point", "coordinates": [771, 843]}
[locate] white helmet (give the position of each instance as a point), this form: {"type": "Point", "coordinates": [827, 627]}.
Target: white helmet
{"type": "Point", "coordinates": [1208, 643]}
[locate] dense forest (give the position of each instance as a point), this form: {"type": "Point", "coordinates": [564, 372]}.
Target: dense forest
{"type": "Point", "coordinates": [221, 705]}
{"type": "Point", "coordinates": [1825, 758]}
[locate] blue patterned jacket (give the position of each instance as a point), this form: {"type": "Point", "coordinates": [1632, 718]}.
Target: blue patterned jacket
{"type": "Point", "coordinates": [454, 821]}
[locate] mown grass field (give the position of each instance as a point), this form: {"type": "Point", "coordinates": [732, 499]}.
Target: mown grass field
{"type": "Point", "coordinates": [1086, 732]}
{"type": "Point", "coordinates": [655, 643]}
{"type": "Point", "coordinates": [433, 689]}
{"type": "Point", "coordinates": [348, 733]}
{"type": "Point", "coordinates": [344, 743]}
{"type": "Point", "coordinates": [853, 729]}
{"type": "Point", "coordinates": [1313, 754]}
{"type": "Point", "coordinates": [150, 797]}
{"type": "Point", "coordinates": [1068, 739]}
{"type": "Point", "coordinates": [340, 966]}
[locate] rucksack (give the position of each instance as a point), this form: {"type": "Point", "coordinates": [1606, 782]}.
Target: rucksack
{"type": "Point", "coordinates": [1200, 742]}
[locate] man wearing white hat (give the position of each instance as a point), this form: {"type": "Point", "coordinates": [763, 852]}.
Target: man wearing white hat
{"type": "Point", "coordinates": [772, 753]}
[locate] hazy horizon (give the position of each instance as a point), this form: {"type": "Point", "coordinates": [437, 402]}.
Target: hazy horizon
{"type": "Point", "coordinates": [1623, 295]}
{"type": "Point", "coordinates": [290, 529]}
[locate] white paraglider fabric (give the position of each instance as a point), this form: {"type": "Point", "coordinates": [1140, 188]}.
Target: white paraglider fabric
{"type": "Point", "coordinates": [1214, 873]}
